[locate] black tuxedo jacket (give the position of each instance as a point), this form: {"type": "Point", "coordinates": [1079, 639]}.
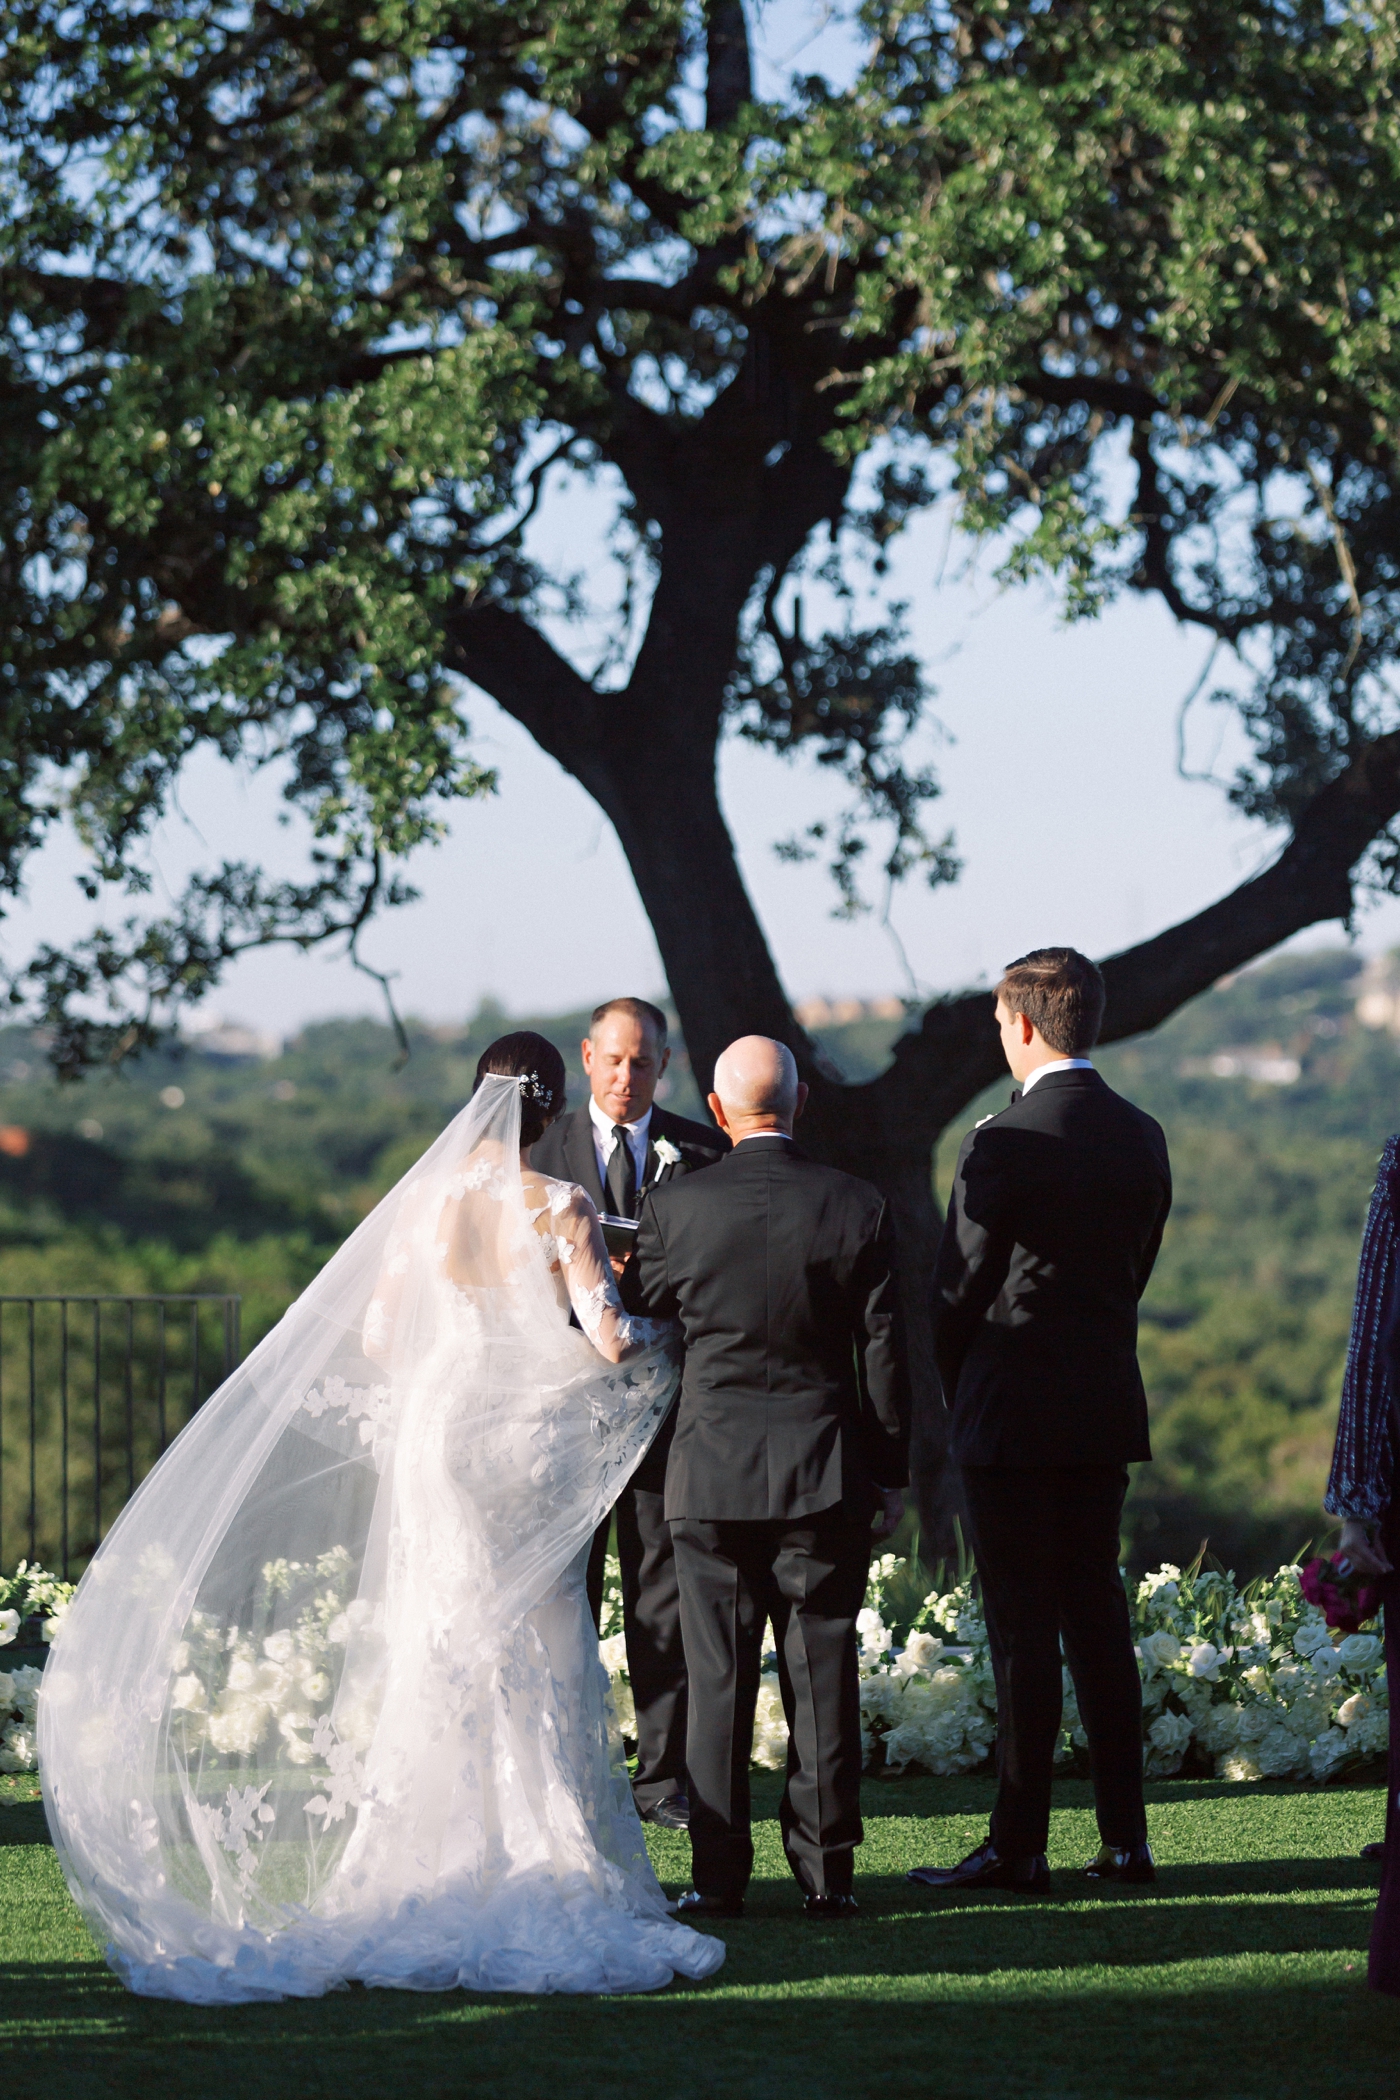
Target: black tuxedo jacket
{"type": "Point", "coordinates": [567, 1151]}
{"type": "Point", "coordinates": [1055, 1220]}
{"type": "Point", "coordinates": [794, 1397]}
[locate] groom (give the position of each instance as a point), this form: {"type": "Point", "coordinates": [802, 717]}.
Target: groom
{"type": "Point", "coordinates": [619, 1146]}
{"type": "Point", "coordinates": [792, 1434]}
{"type": "Point", "coordinates": [1054, 1224]}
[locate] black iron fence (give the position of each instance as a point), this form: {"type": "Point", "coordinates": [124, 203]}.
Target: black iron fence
{"type": "Point", "coordinates": [92, 1389]}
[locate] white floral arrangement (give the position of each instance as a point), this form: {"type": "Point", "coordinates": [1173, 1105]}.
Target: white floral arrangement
{"type": "Point", "coordinates": [1248, 1683]}
{"type": "Point", "coordinates": [1245, 1683]}
{"type": "Point", "coordinates": [238, 1689]}
{"type": "Point", "coordinates": [19, 1698]}
{"type": "Point", "coordinates": [32, 1593]}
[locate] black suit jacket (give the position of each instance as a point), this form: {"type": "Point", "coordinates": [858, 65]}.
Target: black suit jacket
{"type": "Point", "coordinates": [794, 1397]}
{"type": "Point", "coordinates": [568, 1153]}
{"type": "Point", "coordinates": [1055, 1220]}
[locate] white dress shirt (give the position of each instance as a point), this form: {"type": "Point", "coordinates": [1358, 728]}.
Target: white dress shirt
{"type": "Point", "coordinates": [1055, 1064]}
{"type": "Point", "coordinates": [603, 1128]}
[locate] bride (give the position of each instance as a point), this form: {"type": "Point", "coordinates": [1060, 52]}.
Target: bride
{"type": "Point", "coordinates": [327, 1706]}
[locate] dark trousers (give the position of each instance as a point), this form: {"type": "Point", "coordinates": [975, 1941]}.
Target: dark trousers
{"type": "Point", "coordinates": [1046, 1542]}
{"type": "Point", "coordinates": [1383, 1968]}
{"type": "Point", "coordinates": [808, 1576]}
{"type": "Point", "coordinates": [651, 1619]}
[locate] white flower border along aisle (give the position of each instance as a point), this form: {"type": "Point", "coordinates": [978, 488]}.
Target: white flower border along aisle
{"type": "Point", "coordinates": [1243, 1684]}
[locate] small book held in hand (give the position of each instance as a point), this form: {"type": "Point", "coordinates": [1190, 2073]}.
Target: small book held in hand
{"type": "Point", "coordinates": [619, 1235]}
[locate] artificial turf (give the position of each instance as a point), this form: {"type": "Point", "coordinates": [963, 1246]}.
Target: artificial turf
{"type": "Point", "coordinates": [1240, 1976]}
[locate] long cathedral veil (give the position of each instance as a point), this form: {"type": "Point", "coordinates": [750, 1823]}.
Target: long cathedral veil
{"type": "Point", "coordinates": [315, 1577]}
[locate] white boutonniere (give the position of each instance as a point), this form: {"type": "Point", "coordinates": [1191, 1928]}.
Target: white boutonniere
{"type": "Point", "coordinates": [667, 1154]}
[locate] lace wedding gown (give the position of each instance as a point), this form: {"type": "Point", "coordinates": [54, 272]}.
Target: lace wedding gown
{"type": "Point", "coordinates": [327, 1705]}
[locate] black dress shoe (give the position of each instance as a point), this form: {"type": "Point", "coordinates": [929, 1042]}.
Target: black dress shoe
{"type": "Point", "coordinates": [1126, 1863]}
{"type": "Point", "coordinates": [693, 1905]}
{"type": "Point", "coordinates": [986, 1869]}
{"type": "Point", "coordinates": [1374, 1851]}
{"type": "Point", "coordinates": [830, 1906]}
{"type": "Point", "coordinates": [671, 1812]}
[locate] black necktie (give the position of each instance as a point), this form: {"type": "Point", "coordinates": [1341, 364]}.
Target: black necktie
{"type": "Point", "coordinates": [622, 1175]}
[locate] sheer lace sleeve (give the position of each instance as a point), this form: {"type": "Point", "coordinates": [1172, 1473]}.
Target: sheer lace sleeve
{"type": "Point", "coordinates": [592, 1288]}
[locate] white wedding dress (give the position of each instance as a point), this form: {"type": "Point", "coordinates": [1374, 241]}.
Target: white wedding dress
{"type": "Point", "coordinates": [328, 1704]}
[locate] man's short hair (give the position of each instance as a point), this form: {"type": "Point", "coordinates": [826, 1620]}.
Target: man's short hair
{"type": "Point", "coordinates": [636, 1009]}
{"type": "Point", "coordinates": [1060, 992]}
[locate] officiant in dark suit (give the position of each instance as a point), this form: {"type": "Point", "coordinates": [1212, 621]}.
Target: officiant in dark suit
{"type": "Point", "coordinates": [619, 1146]}
{"type": "Point", "coordinates": [1053, 1227]}
{"type": "Point", "coordinates": [792, 1436]}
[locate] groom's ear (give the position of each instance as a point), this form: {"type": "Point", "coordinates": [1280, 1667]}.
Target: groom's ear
{"type": "Point", "coordinates": [803, 1090]}
{"type": "Point", "coordinates": [716, 1108]}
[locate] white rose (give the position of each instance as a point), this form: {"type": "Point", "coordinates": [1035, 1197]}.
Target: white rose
{"type": "Point", "coordinates": [238, 1727]}
{"type": "Point", "coordinates": [1325, 1661]}
{"type": "Point", "coordinates": [9, 1627]}
{"type": "Point", "coordinates": [1311, 1634]}
{"type": "Point", "coordinates": [241, 1674]}
{"type": "Point", "coordinates": [1159, 1649]}
{"type": "Point", "coordinates": [187, 1695]}
{"type": "Point", "coordinates": [1170, 1733]}
{"type": "Point", "coordinates": [612, 1653]}
{"type": "Point", "coordinates": [279, 1647]}
{"type": "Point", "coordinates": [921, 1652]}
{"type": "Point", "coordinates": [1354, 1709]}
{"type": "Point", "coordinates": [1358, 1651]}
{"type": "Point", "coordinates": [17, 1752]}
{"type": "Point", "coordinates": [868, 1621]}
{"type": "Point", "coordinates": [1204, 1660]}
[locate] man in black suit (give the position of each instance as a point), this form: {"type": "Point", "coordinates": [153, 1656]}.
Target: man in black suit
{"type": "Point", "coordinates": [619, 1146]}
{"type": "Point", "coordinates": [1054, 1224]}
{"type": "Point", "coordinates": [792, 1434]}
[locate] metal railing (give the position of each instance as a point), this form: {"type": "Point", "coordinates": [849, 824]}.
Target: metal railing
{"type": "Point", "coordinates": [93, 1386]}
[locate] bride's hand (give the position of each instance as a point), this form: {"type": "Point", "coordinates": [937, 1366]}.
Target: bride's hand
{"type": "Point", "coordinates": [1366, 1554]}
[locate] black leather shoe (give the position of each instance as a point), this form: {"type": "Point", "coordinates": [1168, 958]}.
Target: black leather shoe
{"type": "Point", "coordinates": [831, 1906]}
{"type": "Point", "coordinates": [1374, 1851]}
{"type": "Point", "coordinates": [1126, 1863]}
{"type": "Point", "coordinates": [693, 1905]}
{"type": "Point", "coordinates": [986, 1869]}
{"type": "Point", "coordinates": [671, 1812]}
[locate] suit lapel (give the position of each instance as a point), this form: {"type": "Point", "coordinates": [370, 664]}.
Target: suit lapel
{"type": "Point", "coordinates": [581, 1157]}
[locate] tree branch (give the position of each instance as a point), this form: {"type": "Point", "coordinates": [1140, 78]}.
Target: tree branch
{"type": "Point", "coordinates": [501, 652]}
{"type": "Point", "coordinates": [954, 1055]}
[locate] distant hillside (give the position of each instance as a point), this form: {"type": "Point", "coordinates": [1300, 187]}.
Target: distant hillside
{"type": "Point", "coordinates": [213, 1167]}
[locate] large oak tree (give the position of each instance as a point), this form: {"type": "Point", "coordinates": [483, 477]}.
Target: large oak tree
{"type": "Point", "coordinates": [308, 306]}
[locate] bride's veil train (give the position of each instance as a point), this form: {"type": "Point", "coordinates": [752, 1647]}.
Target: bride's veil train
{"type": "Point", "coordinates": [327, 1705]}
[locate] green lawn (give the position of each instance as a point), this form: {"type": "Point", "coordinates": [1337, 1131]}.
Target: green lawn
{"type": "Point", "coordinates": [1239, 1977]}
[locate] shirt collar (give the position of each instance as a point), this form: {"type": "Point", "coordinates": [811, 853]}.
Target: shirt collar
{"type": "Point", "coordinates": [604, 1125]}
{"type": "Point", "coordinates": [1055, 1064]}
{"type": "Point", "coordinates": [750, 1135]}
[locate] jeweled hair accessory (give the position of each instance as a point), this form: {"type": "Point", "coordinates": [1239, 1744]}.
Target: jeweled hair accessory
{"type": "Point", "coordinates": [533, 1088]}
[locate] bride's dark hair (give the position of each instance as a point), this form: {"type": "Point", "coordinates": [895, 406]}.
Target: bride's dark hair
{"type": "Point", "coordinates": [533, 1059]}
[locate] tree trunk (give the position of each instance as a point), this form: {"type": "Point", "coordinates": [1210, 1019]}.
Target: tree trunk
{"type": "Point", "coordinates": [648, 757]}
